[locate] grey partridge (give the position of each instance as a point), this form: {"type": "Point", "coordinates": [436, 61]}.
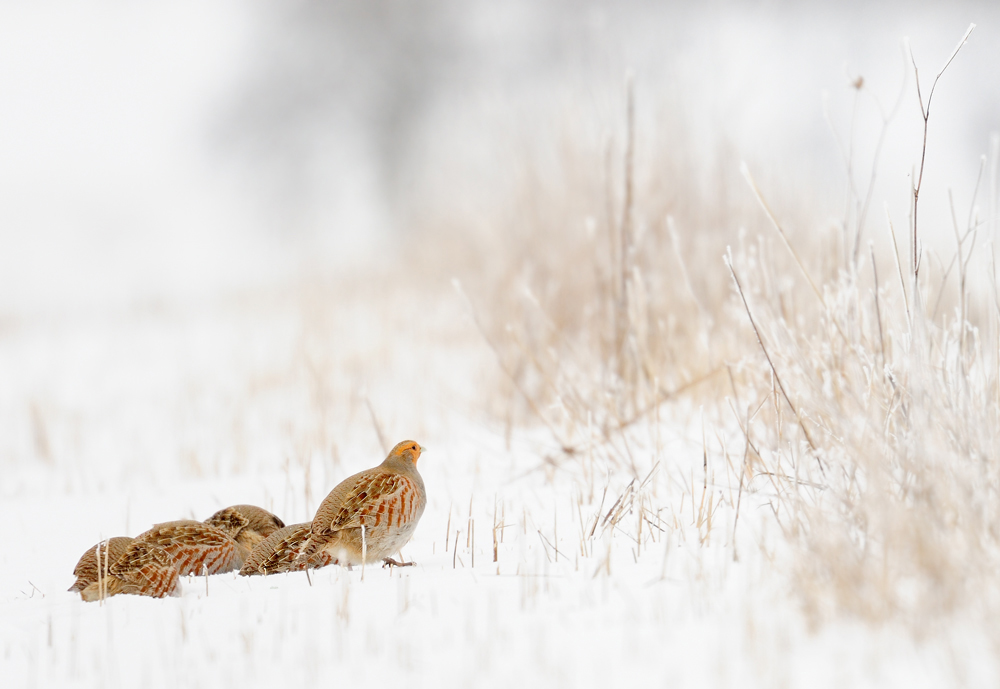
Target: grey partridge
{"type": "Point", "coordinates": [126, 565]}
{"type": "Point", "coordinates": [248, 525]}
{"type": "Point", "coordinates": [87, 568]}
{"type": "Point", "coordinates": [371, 515]}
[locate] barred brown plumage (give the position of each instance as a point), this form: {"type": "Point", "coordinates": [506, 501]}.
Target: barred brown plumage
{"type": "Point", "coordinates": [87, 568]}
{"type": "Point", "coordinates": [142, 569]}
{"type": "Point", "coordinates": [195, 547]}
{"type": "Point", "coordinates": [247, 524]}
{"type": "Point", "coordinates": [277, 553]}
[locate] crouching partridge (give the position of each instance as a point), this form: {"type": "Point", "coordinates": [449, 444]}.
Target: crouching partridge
{"type": "Point", "coordinates": [87, 569]}
{"type": "Point", "coordinates": [277, 553]}
{"type": "Point", "coordinates": [125, 565]}
{"type": "Point", "coordinates": [370, 516]}
{"type": "Point", "coordinates": [248, 525]}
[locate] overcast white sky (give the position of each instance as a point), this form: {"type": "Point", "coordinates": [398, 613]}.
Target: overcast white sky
{"type": "Point", "coordinates": [119, 179]}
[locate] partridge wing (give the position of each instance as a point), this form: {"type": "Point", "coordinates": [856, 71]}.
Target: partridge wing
{"type": "Point", "coordinates": [195, 548]}
{"type": "Point", "coordinates": [373, 499]}
{"type": "Point", "coordinates": [147, 570]}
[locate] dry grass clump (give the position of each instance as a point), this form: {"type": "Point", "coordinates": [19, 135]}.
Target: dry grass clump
{"type": "Point", "coordinates": [588, 281]}
{"type": "Point", "coordinates": [876, 425]}
{"type": "Point", "coordinates": [878, 435]}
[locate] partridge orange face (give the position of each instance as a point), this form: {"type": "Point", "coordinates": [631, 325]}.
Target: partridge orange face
{"type": "Point", "coordinates": [408, 450]}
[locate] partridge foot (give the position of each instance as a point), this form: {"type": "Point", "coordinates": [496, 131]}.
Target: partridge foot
{"type": "Point", "coordinates": [389, 562]}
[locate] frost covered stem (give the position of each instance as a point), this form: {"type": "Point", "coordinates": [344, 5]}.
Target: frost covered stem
{"type": "Point", "coordinates": [729, 264]}
{"type": "Point", "coordinates": [878, 310]}
{"type": "Point", "coordinates": [625, 226]}
{"type": "Point", "coordinates": [925, 112]}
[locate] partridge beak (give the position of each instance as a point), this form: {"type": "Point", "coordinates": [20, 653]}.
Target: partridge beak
{"type": "Point", "coordinates": [422, 449]}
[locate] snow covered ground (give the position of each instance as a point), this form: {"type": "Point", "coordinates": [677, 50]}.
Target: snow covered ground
{"type": "Point", "coordinates": [140, 418]}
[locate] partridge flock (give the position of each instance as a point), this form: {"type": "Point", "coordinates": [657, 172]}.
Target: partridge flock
{"type": "Point", "coordinates": [366, 518]}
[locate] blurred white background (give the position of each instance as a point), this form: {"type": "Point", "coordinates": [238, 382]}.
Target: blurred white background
{"type": "Point", "coordinates": [180, 149]}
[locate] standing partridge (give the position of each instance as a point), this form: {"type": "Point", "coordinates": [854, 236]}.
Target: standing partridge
{"type": "Point", "coordinates": [246, 524]}
{"type": "Point", "coordinates": [277, 553]}
{"type": "Point", "coordinates": [371, 515]}
{"type": "Point", "coordinates": [126, 566]}
{"type": "Point", "coordinates": [195, 547]}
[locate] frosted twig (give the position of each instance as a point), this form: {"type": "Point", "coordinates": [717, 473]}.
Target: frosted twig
{"type": "Point", "coordinates": [925, 112]}
{"type": "Point", "coordinates": [777, 378]}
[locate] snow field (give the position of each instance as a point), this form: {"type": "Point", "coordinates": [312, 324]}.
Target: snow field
{"type": "Point", "coordinates": [223, 407]}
